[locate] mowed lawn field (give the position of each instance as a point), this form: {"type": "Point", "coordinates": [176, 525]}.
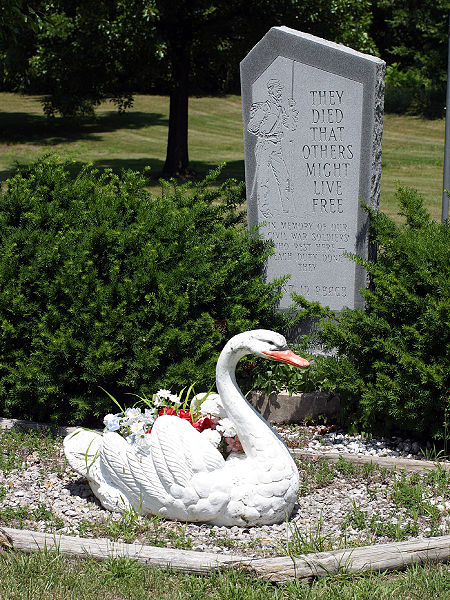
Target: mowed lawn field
{"type": "Point", "coordinates": [413, 148]}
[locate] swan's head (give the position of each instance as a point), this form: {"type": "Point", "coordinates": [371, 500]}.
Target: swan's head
{"type": "Point", "coordinates": [267, 344]}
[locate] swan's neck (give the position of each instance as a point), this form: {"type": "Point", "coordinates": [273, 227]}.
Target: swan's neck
{"type": "Point", "coordinates": [258, 439]}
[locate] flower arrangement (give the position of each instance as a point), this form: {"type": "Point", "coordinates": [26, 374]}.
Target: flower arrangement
{"type": "Point", "coordinates": [205, 414]}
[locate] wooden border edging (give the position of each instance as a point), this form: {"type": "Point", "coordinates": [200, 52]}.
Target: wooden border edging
{"type": "Point", "coordinates": [103, 548]}
{"type": "Point", "coordinates": [410, 464]}
{"type": "Point", "coordinates": [61, 430]}
{"type": "Point", "coordinates": [379, 558]}
{"type": "Point", "coordinates": [382, 557]}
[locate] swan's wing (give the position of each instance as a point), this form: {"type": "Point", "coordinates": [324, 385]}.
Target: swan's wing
{"type": "Point", "coordinates": [161, 481]}
{"type": "Point", "coordinates": [144, 473]}
{"type": "Point", "coordinates": [168, 452]}
{"type": "Point", "coordinates": [115, 464]}
{"type": "Point", "coordinates": [133, 473]}
{"type": "Point", "coordinates": [179, 451]}
{"type": "Point", "coordinates": [205, 457]}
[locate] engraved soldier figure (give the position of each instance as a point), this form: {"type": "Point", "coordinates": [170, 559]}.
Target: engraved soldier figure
{"type": "Point", "coordinates": [268, 121]}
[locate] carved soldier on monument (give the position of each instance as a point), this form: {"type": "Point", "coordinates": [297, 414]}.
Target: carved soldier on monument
{"type": "Point", "coordinates": [268, 121]}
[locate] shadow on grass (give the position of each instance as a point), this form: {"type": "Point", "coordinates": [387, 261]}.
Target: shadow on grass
{"type": "Point", "coordinates": [25, 127]}
{"type": "Point", "coordinates": [199, 168]}
{"type": "Point", "coordinates": [22, 127]}
{"type": "Point", "coordinates": [233, 169]}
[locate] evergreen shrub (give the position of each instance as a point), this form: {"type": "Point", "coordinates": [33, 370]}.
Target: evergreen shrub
{"type": "Point", "coordinates": [391, 362]}
{"type": "Point", "coordinates": [104, 285]}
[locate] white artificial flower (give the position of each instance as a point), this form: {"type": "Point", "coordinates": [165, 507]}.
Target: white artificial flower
{"type": "Point", "coordinates": [137, 426]}
{"type": "Point", "coordinates": [212, 436]}
{"type": "Point", "coordinates": [133, 413]}
{"type": "Point", "coordinates": [112, 422]}
{"type": "Point", "coordinates": [160, 396]}
{"type": "Point", "coordinates": [142, 442]}
{"type": "Point", "coordinates": [174, 399]}
{"type": "Point", "coordinates": [211, 405]}
{"type": "Point", "coordinates": [226, 427]}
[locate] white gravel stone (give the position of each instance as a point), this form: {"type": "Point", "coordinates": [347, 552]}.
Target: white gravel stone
{"type": "Point", "coordinates": [324, 508]}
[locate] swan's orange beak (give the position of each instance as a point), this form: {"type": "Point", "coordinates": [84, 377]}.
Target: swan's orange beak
{"type": "Point", "coordinates": [289, 357]}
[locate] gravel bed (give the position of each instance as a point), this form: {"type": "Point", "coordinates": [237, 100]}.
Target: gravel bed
{"type": "Point", "coordinates": [47, 495]}
{"type": "Point", "coordinates": [331, 439]}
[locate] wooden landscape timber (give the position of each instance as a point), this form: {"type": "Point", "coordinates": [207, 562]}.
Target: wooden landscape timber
{"type": "Point", "coordinates": [382, 557]}
{"type": "Point", "coordinates": [102, 549]}
{"type": "Point", "coordinates": [61, 430]}
{"type": "Point", "coordinates": [390, 462]}
{"type": "Point", "coordinates": [379, 558]}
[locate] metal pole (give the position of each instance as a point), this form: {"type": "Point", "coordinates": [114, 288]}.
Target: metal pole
{"type": "Point", "coordinates": [447, 141]}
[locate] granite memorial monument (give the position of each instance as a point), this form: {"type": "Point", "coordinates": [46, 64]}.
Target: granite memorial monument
{"type": "Point", "coordinates": [313, 118]}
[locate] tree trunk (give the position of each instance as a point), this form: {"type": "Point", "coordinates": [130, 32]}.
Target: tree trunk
{"type": "Point", "coordinates": [177, 158]}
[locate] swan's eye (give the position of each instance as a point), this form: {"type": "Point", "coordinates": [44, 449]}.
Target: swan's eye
{"type": "Point", "coordinates": [274, 348]}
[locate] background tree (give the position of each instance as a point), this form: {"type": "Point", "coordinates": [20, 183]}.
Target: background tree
{"type": "Point", "coordinates": [204, 43]}
{"type": "Point", "coordinates": [18, 26]}
{"type": "Point", "coordinates": [412, 37]}
{"type": "Point", "coordinates": [85, 52]}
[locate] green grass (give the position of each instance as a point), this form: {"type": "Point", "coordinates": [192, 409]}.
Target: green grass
{"type": "Point", "coordinates": [47, 575]}
{"type": "Point", "coordinates": [412, 147]}
{"type": "Point", "coordinates": [22, 516]}
{"type": "Point", "coordinates": [18, 445]}
{"type": "Point", "coordinates": [376, 524]}
{"type": "Point", "coordinates": [131, 525]}
{"type": "Point", "coordinates": [413, 156]}
{"type": "Point", "coordinates": [319, 473]}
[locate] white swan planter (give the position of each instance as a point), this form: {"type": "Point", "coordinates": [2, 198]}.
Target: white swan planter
{"type": "Point", "coordinates": [183, 476]}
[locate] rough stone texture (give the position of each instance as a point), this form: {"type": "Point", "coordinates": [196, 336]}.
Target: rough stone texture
{"type": "Point", "coordinates": [312, 114]}
{"type": "Point", "coordinates": [283, 408]}
{"type": "Point", "coordinates": [377, 134]}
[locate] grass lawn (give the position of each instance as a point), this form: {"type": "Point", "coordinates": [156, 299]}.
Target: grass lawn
{"type": "Point", "coordinates": [413, 156]}
{"type": "Point", "coordinates": [133, 140]}
{"type": "Point", "coordinates": [412, 147]}
{"type": "Point", "coordinates": [46, 575]}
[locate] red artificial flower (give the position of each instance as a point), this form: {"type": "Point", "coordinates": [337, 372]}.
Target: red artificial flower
{"type": "Point", "coordinates": [167, 410]}
{"type": "Point", "coordinates": [233, 444]}
{"type": "Point", "coordinates": [202, 424]}
{"type": "Point", "coordinates": [185, 414]}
